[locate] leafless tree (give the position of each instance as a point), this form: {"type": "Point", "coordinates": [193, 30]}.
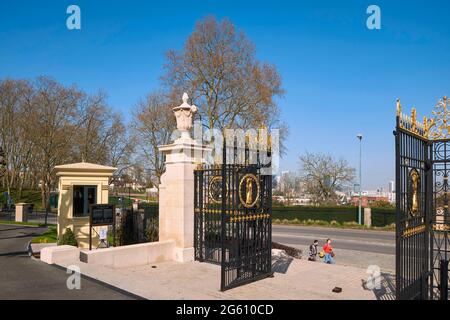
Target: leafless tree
{"type": "Point", "coordinates": [14, 97]}
{"type": "Point", "coordinates": [323, 175]}
{"type": "Point", "coordinates": [121, 145]}
{"type": "Point", "coordinates": [219, 70]}
{"type": "Point", "coordinates": [51, 119]}
{"type": "Point", "coordinates": [43, 124]}
{"type": "Point", "coordinates": [153, 124]}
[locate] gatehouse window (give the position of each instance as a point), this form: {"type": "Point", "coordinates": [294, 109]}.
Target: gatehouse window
{"type": "Point", "coordinates": [83, 196]}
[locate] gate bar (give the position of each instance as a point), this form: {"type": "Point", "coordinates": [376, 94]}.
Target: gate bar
{"type": "Point", "coordinates": [444, 280]}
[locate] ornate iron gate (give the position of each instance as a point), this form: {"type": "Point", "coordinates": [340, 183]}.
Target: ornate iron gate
{"type": "Point", "coordinates": [422, 194]}
{"type": "Point", "coordinates": [440, 221]}
{"type": "Point", "coordinates": [233, 224]}
{"type": "Point", "coordinates": [412, 227]}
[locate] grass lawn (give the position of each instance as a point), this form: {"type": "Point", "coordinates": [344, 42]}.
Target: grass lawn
{"type": "Point", "coordinates": [49, 236]}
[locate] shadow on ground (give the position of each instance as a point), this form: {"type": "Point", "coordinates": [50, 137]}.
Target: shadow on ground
{"type": "Point", "coordinates": [281, 264]}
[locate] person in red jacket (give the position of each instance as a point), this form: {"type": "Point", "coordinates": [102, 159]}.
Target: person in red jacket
{"type": "Point", "coordinates": [329, 254]}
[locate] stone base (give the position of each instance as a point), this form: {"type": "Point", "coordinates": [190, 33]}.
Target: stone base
{"type": "Point", "coordinates": [184, 254]}
{"type": "Point", "coordinates": [57, 254]}
{"type": "Point", "coordinates": [131, 255]}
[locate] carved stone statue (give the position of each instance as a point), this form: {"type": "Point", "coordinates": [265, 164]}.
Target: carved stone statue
{"type": "Point", "coordinates": [184, 115]}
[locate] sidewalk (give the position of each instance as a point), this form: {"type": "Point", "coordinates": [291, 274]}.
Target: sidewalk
{"type": "Point", "coordinates": [302, 280]}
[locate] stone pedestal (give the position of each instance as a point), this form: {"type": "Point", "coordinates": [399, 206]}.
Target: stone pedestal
{"type": "Point", "coordinates": [22, 211]}
{"type": "Point", "coordinates": [368, 217]}
{"type": "Point", "coordinates": [176, 195]}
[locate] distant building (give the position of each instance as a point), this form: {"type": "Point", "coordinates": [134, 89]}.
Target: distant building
{"type": "Point", "coordinates": [297, 201]}
{"type": "Point", "coordinates": [391, 187]}
{"type": "Point", "coordinates": [371, 196]}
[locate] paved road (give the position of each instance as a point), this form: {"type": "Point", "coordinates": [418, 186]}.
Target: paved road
{"type": "Point", "coordinates": [22, 277]}
{"type": "Point", "coordinates": [353, 247]}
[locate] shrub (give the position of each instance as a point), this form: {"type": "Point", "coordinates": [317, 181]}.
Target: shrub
{"type": "Point", "coordinates": [321, 223]}
{"type": "Point", "coordinates": [334, 223]}
{"type": "Point", "coordinates": [68, 238]}
{"type": "Point", "coordinates": [152, 232]}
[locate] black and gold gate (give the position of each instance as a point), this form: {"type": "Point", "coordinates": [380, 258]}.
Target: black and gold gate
{"type": "Point", "coordinates": [422, 199]}
{"type": "Point", "coordinates": [233, 224]}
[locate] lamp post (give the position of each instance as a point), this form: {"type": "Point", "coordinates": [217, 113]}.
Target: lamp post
{"type": "Point", "coordinates": [360, 136]}
{"type": "Point", "coordinates": [129, 185]}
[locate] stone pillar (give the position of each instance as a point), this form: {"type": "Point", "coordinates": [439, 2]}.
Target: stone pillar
{"type": "Point", "coordinates": [368, 217]}
{"type": "Point", "coordinates": [22, 211]}
{"type": "Point", "coordinates": [176, 191]}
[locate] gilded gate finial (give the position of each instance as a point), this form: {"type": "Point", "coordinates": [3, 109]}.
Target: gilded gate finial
{"type": "Point", "coordinates": [399, 108]}
{"type": "Point", "coordinates": [414, 120]}
{"type": "Point", "coordinates": [437, 127]}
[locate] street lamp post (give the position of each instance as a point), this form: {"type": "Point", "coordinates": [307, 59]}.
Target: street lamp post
{"type": "Point", "coordinates": [359, 136]}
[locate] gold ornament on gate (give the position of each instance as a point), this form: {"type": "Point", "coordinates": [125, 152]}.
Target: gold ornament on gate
{"type": "Point", "coordinates": [435, 128]}
{"type": "Point", "coordinates": [249, 189]}
{"type": "Point", "coordinates": [215, 189]}
{"type": "Point", "coordinates": [414, 178]}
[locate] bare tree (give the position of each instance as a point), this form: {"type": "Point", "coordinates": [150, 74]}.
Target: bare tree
{"type": "Point", "coordinates": [323, 175]}
{"type": "Point", "coordinates": [153, 124]}
{"type": "Point", "coordinates": [51, 119]}
{"type": "Point", "coordinates": [230, 86]}
{"type": "Point", "coordinates": [44, 124]}
{"type": "Point", "coordinates": [121, 145]}
{"type": "Point", "coordinates": [14, 97]}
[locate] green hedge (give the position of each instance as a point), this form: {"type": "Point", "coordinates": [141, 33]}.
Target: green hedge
{"type": "Point", "coordinates": [383, 216]}
{"type": "Point", "coordinates": [380, 217]}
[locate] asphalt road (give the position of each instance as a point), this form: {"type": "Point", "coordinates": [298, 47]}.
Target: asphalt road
{"type": "Point", "coordinates": [349, 239]}
{"type": "Point", "coordinates": [352, 247]}
{"type": "Point", "coordinates": [22, 277]}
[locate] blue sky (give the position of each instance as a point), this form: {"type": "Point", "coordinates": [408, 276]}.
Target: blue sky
{"type": "Point", "coordinates": [340, 78]}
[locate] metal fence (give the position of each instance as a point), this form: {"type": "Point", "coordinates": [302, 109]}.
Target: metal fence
{"type": "Point", "coordinates": [34, 216]}
{"type": "Point", "coordinates": [136, 226]}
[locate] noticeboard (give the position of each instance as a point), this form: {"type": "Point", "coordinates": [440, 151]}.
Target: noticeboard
{"type": "Point", "coordinates": [101, 214]}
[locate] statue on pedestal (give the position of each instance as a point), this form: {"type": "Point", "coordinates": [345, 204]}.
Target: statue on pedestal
{"type": "Point", "coordinates": [184, 115]}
